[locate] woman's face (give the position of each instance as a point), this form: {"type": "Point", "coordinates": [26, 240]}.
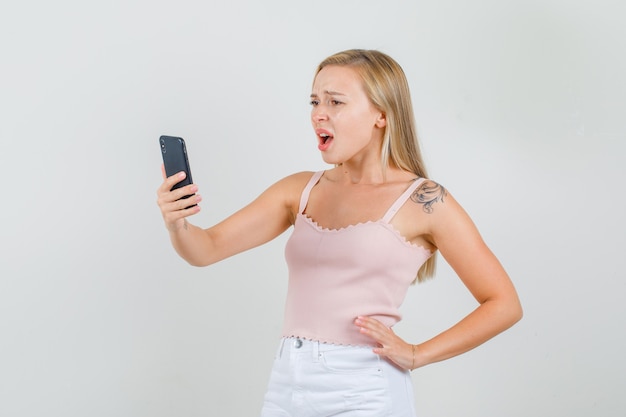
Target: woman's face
{"type": "Point", "coordinates": [346, 123]}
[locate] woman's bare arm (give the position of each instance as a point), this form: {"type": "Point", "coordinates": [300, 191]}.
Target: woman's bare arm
{"type": "Point", "coordinates": [263, 219]}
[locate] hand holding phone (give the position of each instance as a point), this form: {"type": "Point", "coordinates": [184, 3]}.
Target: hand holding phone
{"type": "Point", "coordinates": [175, 160]}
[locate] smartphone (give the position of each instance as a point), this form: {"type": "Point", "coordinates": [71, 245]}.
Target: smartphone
{"type": "Point", "coordinates": [175, 159]}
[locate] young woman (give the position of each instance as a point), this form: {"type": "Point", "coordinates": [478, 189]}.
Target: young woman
{"type": "Point", "coordinates": [363, 231]}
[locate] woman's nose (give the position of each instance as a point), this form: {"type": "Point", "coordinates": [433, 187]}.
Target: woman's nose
{"type": "Point", "coordinates": [318, 114]}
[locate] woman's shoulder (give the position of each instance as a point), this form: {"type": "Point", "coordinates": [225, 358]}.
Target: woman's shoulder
{"type": "Point", "coordinates": [293, 184]}
{"type": "Point", "coordinates": [429, 193]}
{"type": "Point", "coordinates": [297, 179]}
{"type": "Point", "coordinates": [436, 206]}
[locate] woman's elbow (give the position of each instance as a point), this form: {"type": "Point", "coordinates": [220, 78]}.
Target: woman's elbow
{"type": "Point", "coordinates": [514, 311]}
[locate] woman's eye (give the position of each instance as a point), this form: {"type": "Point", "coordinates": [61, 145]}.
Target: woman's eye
{"type": "Point", "coordinates": [331, 102]}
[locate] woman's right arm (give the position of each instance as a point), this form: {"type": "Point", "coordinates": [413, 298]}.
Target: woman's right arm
{"type": "Point", "coordinates": [262, 220]}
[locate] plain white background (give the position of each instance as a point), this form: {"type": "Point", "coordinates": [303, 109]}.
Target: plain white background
{"type": "Point", "coordinates": [520, 107]}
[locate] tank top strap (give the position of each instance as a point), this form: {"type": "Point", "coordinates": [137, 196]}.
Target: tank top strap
{"type": "Point", "coordinates": [402, 199]}
{"type": "Point", "coordinates": [304, 197]}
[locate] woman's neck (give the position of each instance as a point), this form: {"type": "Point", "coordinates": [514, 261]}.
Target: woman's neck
{"type": "Point", "coordinates": [369, 174]}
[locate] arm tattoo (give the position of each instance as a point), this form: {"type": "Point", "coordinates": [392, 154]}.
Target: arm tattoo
{"type": "Point", "coordinates": [428, 194]}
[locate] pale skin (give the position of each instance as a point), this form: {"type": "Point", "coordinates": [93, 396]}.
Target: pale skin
{"type": "Point", "coordinates": [353, 192]}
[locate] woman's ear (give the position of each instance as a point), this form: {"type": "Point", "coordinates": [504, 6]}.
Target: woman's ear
{"type": "Point", "coordinates": [381, 121]}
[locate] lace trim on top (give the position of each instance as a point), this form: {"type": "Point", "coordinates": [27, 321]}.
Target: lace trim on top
{"type": "Point", "coordinates": [379, 222]}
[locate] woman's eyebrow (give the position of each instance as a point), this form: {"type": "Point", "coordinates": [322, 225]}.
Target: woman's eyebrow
{"type": "Point", "coordinates": [330, 93]}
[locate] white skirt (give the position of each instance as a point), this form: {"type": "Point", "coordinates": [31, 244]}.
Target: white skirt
{"type": "Point", "coordinates": [313, 379]}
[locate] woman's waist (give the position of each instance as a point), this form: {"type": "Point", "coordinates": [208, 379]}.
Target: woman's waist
{"type": "Point", "coordinates": [332, 329]}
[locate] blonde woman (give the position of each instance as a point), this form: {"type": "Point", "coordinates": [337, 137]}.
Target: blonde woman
{"type": "Point", "coordinates": [362, 232]}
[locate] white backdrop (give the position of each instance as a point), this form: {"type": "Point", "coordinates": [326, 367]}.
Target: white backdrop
{"type": "Point", "coordinates": [521, 110]}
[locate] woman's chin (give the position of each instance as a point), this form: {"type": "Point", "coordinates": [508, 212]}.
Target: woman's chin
{"type": "Point", "coordinates": [330, 159]}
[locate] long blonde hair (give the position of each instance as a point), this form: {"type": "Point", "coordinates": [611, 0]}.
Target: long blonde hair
{"type": "Point", "coordinates": [387, 88]}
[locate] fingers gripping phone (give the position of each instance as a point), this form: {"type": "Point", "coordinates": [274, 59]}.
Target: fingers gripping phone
{"type": "Point", "coordinates": [175, 159]}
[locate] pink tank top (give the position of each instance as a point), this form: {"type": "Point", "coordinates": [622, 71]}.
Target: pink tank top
{"type": "Point", "coordinates": [336, 275]}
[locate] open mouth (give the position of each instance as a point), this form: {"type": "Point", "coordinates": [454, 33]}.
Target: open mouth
{"type": "Point", "coordinates": [324, 139]}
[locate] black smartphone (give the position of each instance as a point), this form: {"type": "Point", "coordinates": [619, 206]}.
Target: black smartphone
{"type": "Point", "coordinates": [175, 159]}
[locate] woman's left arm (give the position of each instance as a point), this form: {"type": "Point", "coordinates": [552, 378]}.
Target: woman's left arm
{"type": "Point", "coordinates": [457, 238]}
